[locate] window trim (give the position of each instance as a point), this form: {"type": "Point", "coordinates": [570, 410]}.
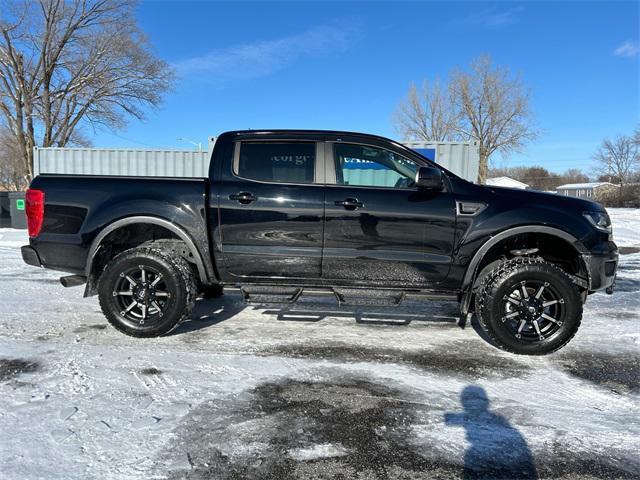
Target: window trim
{"type": "Point", "coordinates": [319, 170]}
{"type": "Point", "coordinates": [330, 168]}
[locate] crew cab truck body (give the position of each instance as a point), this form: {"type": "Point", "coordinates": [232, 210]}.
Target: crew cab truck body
{"type": "Point", "coordinates": [289, 212]}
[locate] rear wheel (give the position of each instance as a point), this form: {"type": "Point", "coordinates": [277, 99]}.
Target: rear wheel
{"type": "Point", "coordinates": [146, 291]}
{"type": "Point", "coordinates": [529, 306]}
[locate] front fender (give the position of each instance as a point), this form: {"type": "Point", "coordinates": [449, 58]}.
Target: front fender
{"type": "Point", "coordinates": [493, 240]}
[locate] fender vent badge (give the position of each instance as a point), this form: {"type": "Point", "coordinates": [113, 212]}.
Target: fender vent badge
{"type": "Point", "coordinates": [470, 208]}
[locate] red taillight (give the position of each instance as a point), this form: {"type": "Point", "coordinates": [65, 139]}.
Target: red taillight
{"type": "Point", "coordinates": [34, 200]}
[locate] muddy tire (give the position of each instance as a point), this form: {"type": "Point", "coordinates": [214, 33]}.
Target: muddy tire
{"type": "Point", "coordinates": [529, 306]}
{"type": "Point", "coordinates": [146, 291]}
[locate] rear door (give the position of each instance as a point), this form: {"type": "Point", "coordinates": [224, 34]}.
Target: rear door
{"type": "Point", "coordinates": [271, 206]}
{"type": "Point", "coordinates": [378, 226]}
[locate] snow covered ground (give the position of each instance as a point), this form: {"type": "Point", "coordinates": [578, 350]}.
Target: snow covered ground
{"type": "Point", "coordinates": [314, 392]}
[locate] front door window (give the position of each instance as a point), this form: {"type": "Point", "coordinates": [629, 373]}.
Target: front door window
{"type": "Point", "coordinates": [365, 166]}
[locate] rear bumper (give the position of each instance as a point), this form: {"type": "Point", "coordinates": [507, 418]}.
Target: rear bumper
{"type": "Point", "coordinates": [30, 256]}
{"type": "Point", "coordinates": [602, 270]}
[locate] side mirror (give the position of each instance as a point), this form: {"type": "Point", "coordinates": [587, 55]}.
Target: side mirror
{"type": "Point", "coordinates": [429, 178]}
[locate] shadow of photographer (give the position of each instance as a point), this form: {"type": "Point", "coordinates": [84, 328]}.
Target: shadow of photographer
{"type": "Point", "coordinates": [496, 449]}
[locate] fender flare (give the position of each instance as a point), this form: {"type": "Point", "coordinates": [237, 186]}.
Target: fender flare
{"type": "Point", "coordinates": [469, 276]}
{"type": "Point", "coordinates": [202, 273]}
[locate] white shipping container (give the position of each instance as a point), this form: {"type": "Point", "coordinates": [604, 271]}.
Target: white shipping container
{"type": "Point", "coordinates": [461, 158]}
{"type": "Point", "coordinates": [124, 162]}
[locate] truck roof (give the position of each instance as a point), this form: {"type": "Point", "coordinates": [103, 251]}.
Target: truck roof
{"type": "Point", "coordinates": [331, 135]}
{"type": "Point", "coordinates": [307, 132]}
{"type": "Point", "coordinates": [326, 134]}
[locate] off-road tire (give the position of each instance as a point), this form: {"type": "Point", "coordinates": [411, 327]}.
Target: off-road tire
{"type": "Point", "coordinates": [504, 278]}
{"type": "Point", "coordinates": [177, 277]}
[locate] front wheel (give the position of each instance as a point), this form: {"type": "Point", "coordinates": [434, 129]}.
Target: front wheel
{"type": "Point", "coordinates": [529, 306]}
{"type": "Point", "coordinates": [146, 291]}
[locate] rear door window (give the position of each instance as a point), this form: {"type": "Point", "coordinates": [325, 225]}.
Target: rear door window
{"type": "Point", "coordinates": [280, 162]}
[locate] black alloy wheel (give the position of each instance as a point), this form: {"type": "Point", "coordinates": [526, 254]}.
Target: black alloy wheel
{"type": "Point", "coordinates": [147, 291]}
{"type": "Point", "coordinates": [528, 306]}
{"type": "Point", "coordinates": [533, 311]}
{"type": "Point", "coordinates": [142, 295]}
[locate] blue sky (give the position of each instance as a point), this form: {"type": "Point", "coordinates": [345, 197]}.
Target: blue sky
{"type": "Point", "coordinates": [339, 65]}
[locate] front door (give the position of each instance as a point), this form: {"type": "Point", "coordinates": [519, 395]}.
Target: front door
{"type": "Point", "coordinates": [271, 211]}
{"type": "Point", "coordinates": [378, 226]}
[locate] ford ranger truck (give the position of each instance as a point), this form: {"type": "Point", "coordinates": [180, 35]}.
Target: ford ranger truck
{"type": "Point", "coordinates": [287, 213]}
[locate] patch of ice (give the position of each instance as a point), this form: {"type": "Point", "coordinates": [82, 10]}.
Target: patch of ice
{"type": "Point", "coordinates": [322, 450]}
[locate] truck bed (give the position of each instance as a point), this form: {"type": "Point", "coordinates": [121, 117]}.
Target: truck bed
{"type": "Point", "coordinates": [79, 207]}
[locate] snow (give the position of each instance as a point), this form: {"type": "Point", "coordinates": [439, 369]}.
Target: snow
{"type": "Point", "coordinates": [626, 226]}
{"type": "Point", "coordinates": [323, 450]}
{"type": "Point", "coordinates": [240, 391]}
{"type": "Point", "coordinates": [7, 238]}
{"type": "Point", "coordinates": [571, 186]}
{"type": "Point", "coordinates": [506, 182]}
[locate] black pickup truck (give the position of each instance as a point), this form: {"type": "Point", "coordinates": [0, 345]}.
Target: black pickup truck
{"type": "Point", "coordinates": [286, 213]}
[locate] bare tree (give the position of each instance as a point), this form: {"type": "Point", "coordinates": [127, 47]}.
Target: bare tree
{"type": "Point", "coordinates": [574, 175]}
{"type": "Point", "coordinates": [494, 109]}
{"type": "Point", "coordinates": [65, 63]}
{"type": "Point", "coordinates": [487, 104]}
{"type": "Point", "coordinates": [426, 114]}
{"type": "Point", "coordinates": [11, 168]}
{"type": "Point", "coordinates": [618, 159]}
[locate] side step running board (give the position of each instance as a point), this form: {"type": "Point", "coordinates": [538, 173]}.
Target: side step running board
{"type": "Point", "coordinates": [356, 296]}
{"type": "Point", "coordinates": [268, 294]}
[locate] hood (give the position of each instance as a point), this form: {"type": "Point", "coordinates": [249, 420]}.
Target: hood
{"type": "Point", "coordinates": [543, 198]}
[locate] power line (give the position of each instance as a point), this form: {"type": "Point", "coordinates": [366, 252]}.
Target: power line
{"type": "Point", "coordinates": [135, 141]}
{"type": "Point", "coordinates": [550, 177]}
{"type": "Point", "coordinates": [558, 160]}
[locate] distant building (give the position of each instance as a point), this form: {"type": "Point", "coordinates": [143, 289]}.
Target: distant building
{"type": "Point", "coordinates": [591, 191]}
{"type": "Point", "coordinates": [506, 182]}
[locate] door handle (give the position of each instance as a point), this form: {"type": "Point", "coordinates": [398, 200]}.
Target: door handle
{"type": "Point", "coordinates": [243, 197]}
{"type": "Point", "coordinates": [349, 203]}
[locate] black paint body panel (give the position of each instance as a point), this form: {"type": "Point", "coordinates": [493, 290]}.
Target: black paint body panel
{"type": "Point", "coordinates": [108, 199]}
{"type": "Point", "coordinates": [403, 237]}
{"type": "Point", "coordinates": [277, 235]}
{"type": "Point", "coordinates": [296, 234]}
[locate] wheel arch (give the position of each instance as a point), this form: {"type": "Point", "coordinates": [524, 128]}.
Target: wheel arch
{"type": "Point", "coordinates": [142, 220]}
{"type": "Point", "coordinates": [473, 270]}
